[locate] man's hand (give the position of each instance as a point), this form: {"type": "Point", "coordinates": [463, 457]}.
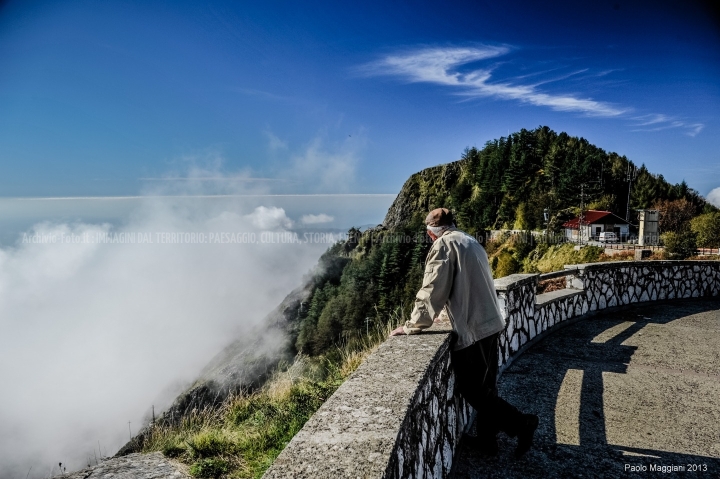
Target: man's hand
{"type": "Point", "coordinates": [397, 331]}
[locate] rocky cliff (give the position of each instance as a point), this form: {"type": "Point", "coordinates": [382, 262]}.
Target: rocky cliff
{"type": "Point", "coordinates": [421, 193]}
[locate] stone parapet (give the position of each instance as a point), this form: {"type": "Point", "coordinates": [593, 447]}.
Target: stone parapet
{"type": "Point", "coordinates": [397, 416]}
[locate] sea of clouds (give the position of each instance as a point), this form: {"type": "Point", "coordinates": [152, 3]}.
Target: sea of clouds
{"type": "Point", "coordinates": [101, 321]}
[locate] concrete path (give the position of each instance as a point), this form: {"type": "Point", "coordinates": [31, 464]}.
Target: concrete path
{"type": "Point", "coordinates": [621, 394]}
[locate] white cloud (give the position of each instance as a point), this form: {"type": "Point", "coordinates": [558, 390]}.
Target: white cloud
{"type": "Point", "coordinates": [269, 219]}
{"type": "Point", "coordinates": [274, 142]}
{"type": "Point", "coordinates": [452, 67]}
{"type": "Point", "coordinates": [316, 219]}
{"type": "Point", "coordinates": [204, 174]}
{"type": "Point", "coordinates": [652, 119]}
{"type": "Point", "coordinates": [659, 122]}
{"type": "Point", "coordinates": [326, 168]}
{"type": "Point", "coordinates": [441, 66]}
{"type": "Point", "coordinates": [95, 333]}
{"type": "Point", "coordinates": [714, 197]}
{"type": "Point", "coordinates": [694, 129]}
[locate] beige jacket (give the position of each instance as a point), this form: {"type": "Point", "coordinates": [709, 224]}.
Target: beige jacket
{"type": "Point", "coordinates": [458, 278]}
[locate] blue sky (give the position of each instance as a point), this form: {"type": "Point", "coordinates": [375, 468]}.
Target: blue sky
{"type": "Point", "coordinates": [127, 100]}
{"type": "Point", "coordinates": [121, 97]}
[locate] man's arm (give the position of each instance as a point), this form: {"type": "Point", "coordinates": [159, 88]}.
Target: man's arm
{"type": "Point", "coordinates": [435, 291]}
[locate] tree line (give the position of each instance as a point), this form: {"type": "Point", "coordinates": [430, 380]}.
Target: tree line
{"type": "Point", "coordinates": [508, 184]}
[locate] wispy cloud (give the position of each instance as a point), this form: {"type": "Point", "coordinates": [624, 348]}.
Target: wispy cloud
{"type": "Point", "coordinates": [274, 141]}
{"type": "Point", "coordinates": [443, 66]}
{"type": "Point", "coordinates": [211, 178]}
{"type": "Point", "coordinates": [458, 68]}
{"type": "Point", "coordinates": [658, 122]}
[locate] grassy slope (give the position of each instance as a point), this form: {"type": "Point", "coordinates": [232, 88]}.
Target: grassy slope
{"type": "Point", "coordinates": [244, 436]}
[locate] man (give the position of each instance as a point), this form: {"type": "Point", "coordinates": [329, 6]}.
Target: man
{"type": "Point", "coordinates": [458, 280]}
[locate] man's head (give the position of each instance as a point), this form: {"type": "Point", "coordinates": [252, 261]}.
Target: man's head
{"type": "Point", "coordinates": [437, 221]}
{"type": "Point", "coordinates": [440, 217]}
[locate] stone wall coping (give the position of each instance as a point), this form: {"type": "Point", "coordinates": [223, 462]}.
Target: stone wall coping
{"type": "Point", "coordinates": [544, 299]}
{"type": "Point", "coordinates": [512, 281]}
{"type": "Point", "coordinates": [354, 433]}
{"type": "Point", "coordinates": [507, 283]}
{"type": "Point", "coordinates": [621, 264]}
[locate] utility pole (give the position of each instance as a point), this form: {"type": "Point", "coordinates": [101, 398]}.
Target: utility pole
{"type": "Point", "coordinates": [631, 175]}
{"type": "Point", "coordinates": [582, 211]}
{"type": "Point", "coordinates": [129, 430]}
{"type": "Point", "coordinates": [581, 218]}
{"type": "Point", "coordinates": [367, 326]}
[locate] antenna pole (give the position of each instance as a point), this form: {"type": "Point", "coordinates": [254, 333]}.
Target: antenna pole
{"type": "Point", "coordinates": [582, 209]}
{"type": "Point", "coordinates": [630, 175]}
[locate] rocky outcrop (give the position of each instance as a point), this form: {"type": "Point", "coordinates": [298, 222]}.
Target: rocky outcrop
{"type": "Point", "coordinates": [133, 466]}
{"type": "Point", "coordinates": [421, 193]}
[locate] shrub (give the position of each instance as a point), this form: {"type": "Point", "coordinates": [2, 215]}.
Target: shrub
{"type": "Point", "coordinates": [679, 245]}
{"type": "Point", "coordinates": [173, 450]}
{"type": "Point", "coordinates": [212, 468]}
{"type": "Point", "coordinates": [506, 264]}
{"type": "Point", "coordinates": [209, 443]}
{"type": "Point", "coordinates": [553, 258]}
{"type": "Point", "coordinates": [707, 228]}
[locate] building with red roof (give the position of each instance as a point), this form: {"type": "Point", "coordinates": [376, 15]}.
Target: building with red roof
{"type": "Point", "coordinates": [594, 222]}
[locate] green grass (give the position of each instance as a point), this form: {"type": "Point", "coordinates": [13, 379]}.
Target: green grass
{"type": "Point", "coordinates": [243, 437]}
{"type": "Point", "coordinates": [507, 256]}
{"type": "Point", "coordinates": [546, 258]}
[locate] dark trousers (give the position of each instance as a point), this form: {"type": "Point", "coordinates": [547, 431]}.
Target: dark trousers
{"type": "Point", "coordinates": [476, 380]}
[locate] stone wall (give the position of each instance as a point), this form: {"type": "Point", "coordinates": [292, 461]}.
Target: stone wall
{"type": "Point", "coordinates": [595, 286]}
{"type": "Point", "coordinates": [397, 416]}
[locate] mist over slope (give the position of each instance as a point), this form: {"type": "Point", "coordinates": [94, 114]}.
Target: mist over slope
{"type": "Point", "coordinates": [101, 322]}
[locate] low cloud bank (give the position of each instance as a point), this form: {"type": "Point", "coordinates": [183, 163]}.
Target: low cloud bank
{"type": "Point", "coordinates": [714, 197]}
{"type": "Point", "coordinates": [97, 331]}
{"type": "Point", "coordinates": [316, 219]}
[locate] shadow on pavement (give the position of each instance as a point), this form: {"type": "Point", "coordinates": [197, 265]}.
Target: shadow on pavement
{"type": "Point", "coordinates": [570, 364]}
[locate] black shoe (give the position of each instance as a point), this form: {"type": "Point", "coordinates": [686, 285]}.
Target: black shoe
{"type": "Point", "coordinates": [525, 436]}
{"type": "Point", "coordinates": [487, 446]}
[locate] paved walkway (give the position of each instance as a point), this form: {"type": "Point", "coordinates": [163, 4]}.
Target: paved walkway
{"type": "Point", "coordinates": [616, 393]}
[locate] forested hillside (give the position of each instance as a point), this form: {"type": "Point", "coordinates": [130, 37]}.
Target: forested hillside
{"type": "Point", "coordinates": [506, 184]}
{"type": "Point", "coordinates": [509, 182]}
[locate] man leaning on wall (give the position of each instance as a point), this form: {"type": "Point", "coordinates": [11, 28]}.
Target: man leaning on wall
{"type": "Point", "coordinates": [458, 281]}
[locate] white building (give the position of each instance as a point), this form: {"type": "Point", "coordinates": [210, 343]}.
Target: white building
{"type": "Point", "coordinates": [595, 222]}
